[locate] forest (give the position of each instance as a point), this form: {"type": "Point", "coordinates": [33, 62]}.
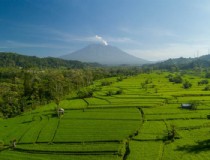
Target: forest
{"type": "Point", "coordinates": [28, 82]}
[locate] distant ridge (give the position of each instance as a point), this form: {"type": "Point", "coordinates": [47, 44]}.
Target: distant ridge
{"type": "Point", "coordinates": [104, 54]}
{"type": "Point", "coordinates": [184, 63]}
{"type": "Point", "coordinates": [16, 60]}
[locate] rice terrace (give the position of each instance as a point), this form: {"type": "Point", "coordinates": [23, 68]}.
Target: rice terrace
{"type": "Point", "coordinates": [145, 120]}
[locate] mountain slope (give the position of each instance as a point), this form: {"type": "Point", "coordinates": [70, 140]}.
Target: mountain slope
{"type": "Point", "coordinates": [102, 54]}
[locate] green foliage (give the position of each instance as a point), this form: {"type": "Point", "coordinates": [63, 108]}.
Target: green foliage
{"type": "Point", "coordinates": [16, 60]}
{"type": "Point", "coordinates": [25, 88]}
{"type": "Point", "coordinates": [175, 78]}
{"type": "Point", "coordinates": [118, 92]}
{"type": "Point", "coordinates": [110, 93]}
{"type": "Point", "coordinates": [204, 81]}
{"type": "Point", "coordinates": [207, 88]}
{"type": "Point", "coordinates": [106, 83]}
{"type": "Point", "coordinates": [9, 100]}
{"type": "Point", "coordinates": [85, 93]}
{"type": "Point", "coordinates": [148, 81]}
{"type": "Point", "coordinates": [144, 85]}
{"type": "Point", "coordinates": [207, 75]}
{"type": "Point", "coordinates": [33, 87]}
{"type": "Point", "coordinates": [172, 133]}
{"type": "Point", "coordinates": [119, 79]}
{"type": "Point", "coordinates": [194, 105]}
{"type": "Point", "coordinates": [187, 84]}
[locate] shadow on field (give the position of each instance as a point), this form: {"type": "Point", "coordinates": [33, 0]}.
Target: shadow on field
{"type": "Point", "coordinates": [26, 122]}
{"type": "Point", "coordinates": [4, 148]}
{"type": "Point", "coordinates": [197, 148]}
{"type": "Point", "coordinates": [72, 98]}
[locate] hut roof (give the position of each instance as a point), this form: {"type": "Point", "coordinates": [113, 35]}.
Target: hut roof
{"type": "Point", "coordinates": [186, 105]}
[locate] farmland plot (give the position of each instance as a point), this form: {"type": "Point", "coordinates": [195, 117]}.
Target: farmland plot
{"type": "Point", "coordinates": [145, 150]}
{"type": "Point", "coordinates": [151, 130]}
{"type": "Point", "coordinates": [98, 125]}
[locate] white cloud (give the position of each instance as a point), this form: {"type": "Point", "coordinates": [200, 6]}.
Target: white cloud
{"type": "Point", "coordinates": [100, 39]}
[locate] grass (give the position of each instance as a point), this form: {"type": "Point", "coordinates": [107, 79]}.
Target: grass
{"type": "Point", "coordinates": [11, 155]}
{"type": "Point", "coordinates": [145, 150]}
{"type": "Point", "coordinates": [151, 130]}
{"type": "Point", "coordinates": [48, 131]}
{"type": "Point", "coordinates": [94, 130]}
{"type": "Point", "coordinates": [73, 103]}
{"type": "Point", "coordinates": [32, 134]}
{"type": "Point", "coordinates": [104, 114]}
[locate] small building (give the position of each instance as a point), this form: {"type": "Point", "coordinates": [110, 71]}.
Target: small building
{"type": "Point", "coordinates": [186, 105]}
{"type": "Point", "coordinates": [60, 112]}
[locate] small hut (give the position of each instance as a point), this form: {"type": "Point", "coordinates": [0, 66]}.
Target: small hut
{"type": "Point", "coordinates": [60, 112]}
{"type": "Point", "coordinates": [186, 105]}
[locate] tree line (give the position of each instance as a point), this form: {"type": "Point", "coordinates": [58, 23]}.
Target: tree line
{"type": "Point", "coordinates": [23, 89]}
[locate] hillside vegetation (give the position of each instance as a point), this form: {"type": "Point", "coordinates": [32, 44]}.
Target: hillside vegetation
{"type": "Point", "coordinates": [183, 63]}
{"type": "Point", "coordinates": [17, 60]}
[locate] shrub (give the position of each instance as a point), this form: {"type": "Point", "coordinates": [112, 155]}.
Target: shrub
{"type": "Point", "coordinates": [207, 88]}
{"type": "Point", "coordinates": [85, 93]}
{"type": "Point", "coordinates": [106, 83]}
{"type": "Point", "coordinates": [187, 85]}
{"type": "Point", "coordinates": [171, 134]}
{"type": "Point", "coordinates": [204, 81]}
{"type": "Point", "coordinates": [194, 105]}
{"type": "Point", "coordinates": [120, 91]}
{"type": "Point", "coordinates": [148, 81]}
{"type": "Point", "coordinates": [95, 88]}
{"type": "Point", "coordinates": [207, 75]}
{"type": "Point", "coordinates": [119, 79]}
{"type": "Point", "coordinates": [175, 78]}
{"type": "Point", "coordinates": [143, 85]}
{"type": "Point", "coordinates": [110, 93]}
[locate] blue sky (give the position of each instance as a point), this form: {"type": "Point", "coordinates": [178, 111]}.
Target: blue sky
{"type": "Point", "coordinates": [149, 29]}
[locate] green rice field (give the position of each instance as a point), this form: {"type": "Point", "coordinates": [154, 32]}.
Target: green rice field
{"type": "Point", "coordinates": [132, 125]}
